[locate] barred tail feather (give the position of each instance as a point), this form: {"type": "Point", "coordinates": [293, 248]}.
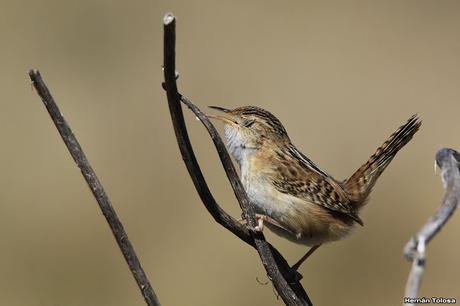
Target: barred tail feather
{"type": "Point", "coordinates": [360, 184]}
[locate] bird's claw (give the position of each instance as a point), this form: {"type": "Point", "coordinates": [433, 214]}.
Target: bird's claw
{"type": "Point", "coordinates": [260, 223]}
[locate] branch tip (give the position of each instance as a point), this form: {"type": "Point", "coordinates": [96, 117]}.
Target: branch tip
{"type": "Point", "coordinates": [168, 18]}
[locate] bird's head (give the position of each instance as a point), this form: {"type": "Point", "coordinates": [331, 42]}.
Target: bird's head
{"type": "Point", "coordinates": [248, 128]}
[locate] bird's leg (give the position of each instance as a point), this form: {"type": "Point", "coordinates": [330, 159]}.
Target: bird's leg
{"type": "Point", "coordinates": [304, 257]}
{"type": "Point", "coordinates": [260, 225]}
{"type": "Point", "coordinates": [260, 222]}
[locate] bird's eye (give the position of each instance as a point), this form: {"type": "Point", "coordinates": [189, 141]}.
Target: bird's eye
{"type": "Point", "coordinates": [248, 123]}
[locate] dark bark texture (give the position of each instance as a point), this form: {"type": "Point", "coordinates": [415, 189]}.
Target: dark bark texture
{"type": "Point", "coordinates": [285, 280]}
{"type": "Point", "coordinates": [96, 188]}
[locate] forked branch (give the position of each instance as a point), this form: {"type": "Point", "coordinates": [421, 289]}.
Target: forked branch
{"type": "Point", "coordinates": [448, 161]}
{"type": "Point", "coordinates": [285, 280]}
{"type": "Point", "coordinates": [96, 188]}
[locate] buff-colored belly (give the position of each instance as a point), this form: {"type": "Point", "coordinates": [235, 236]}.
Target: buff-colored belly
{"type": "Point", "coordinates": [303, 222]}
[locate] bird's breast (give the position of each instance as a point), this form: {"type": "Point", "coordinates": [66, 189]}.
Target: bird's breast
{"type": "Point", "coordinates": [257, 182]}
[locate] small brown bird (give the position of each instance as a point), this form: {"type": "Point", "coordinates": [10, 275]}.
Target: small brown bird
{"type": "Point", "coordinates": [293, 196]}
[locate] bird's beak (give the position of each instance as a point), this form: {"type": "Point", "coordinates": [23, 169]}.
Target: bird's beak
{"type": "Point", "coordinates": [221, 118]}
{"type": "Point", "coordinates": [225, 110]}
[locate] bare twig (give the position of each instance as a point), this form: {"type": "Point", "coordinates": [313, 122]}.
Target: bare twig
{"type": "Point", "coordinates": [448, 160]}
{"type": "Point", "coordinates": [96, 188]}
{"type": "Point", "coordinates": [276, 266]}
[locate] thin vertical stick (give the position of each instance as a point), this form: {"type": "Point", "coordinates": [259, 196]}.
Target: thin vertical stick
{"type": "Point", "coordinates": [96, 188]}
{"type": "Point", "coordinates": [286, 291]}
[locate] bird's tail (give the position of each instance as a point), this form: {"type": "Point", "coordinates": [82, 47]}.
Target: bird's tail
{"type": "Point", "coordinates": [360, 184]}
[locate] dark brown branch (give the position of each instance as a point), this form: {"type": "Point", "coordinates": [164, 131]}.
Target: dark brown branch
{"type": "Point", "coordinates": [291, 291]}
{"type": "Point", "coordinates": [96, 188]}
{"type": "Point", "coordinates": [448, 160]}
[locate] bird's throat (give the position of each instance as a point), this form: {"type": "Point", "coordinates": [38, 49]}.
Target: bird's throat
{"type": "Point", "coordinates": [238, 145]}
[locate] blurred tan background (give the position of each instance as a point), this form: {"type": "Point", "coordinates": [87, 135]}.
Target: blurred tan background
{"type": "Point", "coordinates": [340, 75]}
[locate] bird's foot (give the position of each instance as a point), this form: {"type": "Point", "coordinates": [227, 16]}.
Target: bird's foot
{"type": "Point", "coordinates": [260, 222]}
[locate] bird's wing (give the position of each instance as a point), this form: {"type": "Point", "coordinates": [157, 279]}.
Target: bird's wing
{"type": "Point", "coordinates": [303, 179]}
